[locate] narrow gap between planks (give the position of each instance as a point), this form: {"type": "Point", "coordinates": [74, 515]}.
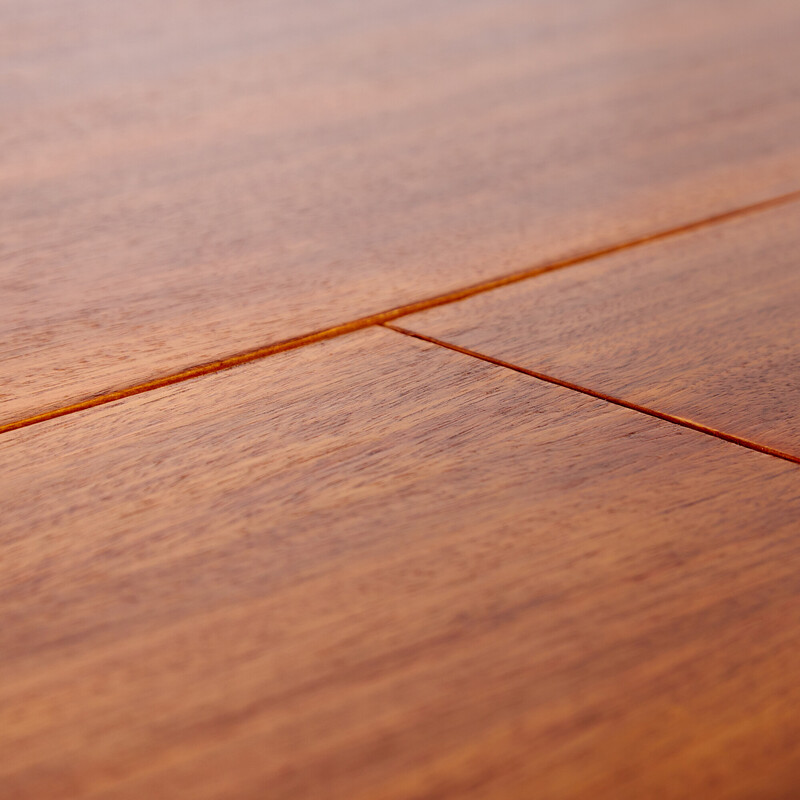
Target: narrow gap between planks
{"type": "Point", "coordinates": [391, 314]}
{"type": "Point", "coordinates": [684, 423]}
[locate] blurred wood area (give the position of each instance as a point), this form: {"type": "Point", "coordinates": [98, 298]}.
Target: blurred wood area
{"type": "Point", "coordinates": [286, 512]}
{"type": "Point", "coordinates": [188, 180]}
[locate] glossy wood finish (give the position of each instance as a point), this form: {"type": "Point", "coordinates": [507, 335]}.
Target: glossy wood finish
{"type": "Point", "coordinates": [184, 180]}
{"type": "Point", "coordinates": [374, 568]}
{"type": "Point", "coordinates": [704, 326]}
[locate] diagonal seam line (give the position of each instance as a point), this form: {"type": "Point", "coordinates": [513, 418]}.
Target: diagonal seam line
{"type": "Point", "coordinates": [675, 420]}
{"type": "Point", "coordinates": [382, 317]}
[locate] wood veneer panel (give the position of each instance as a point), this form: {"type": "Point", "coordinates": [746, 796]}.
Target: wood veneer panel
{"type": "Point", "coordinates": [182, 181]}
{"type": "Point", "coordinates": [704, 326]}
{"type": "Point", "coordinates": [374, 568]}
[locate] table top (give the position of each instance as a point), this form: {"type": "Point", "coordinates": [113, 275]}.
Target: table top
{"type": "Point", "coordinates": [399, 399]}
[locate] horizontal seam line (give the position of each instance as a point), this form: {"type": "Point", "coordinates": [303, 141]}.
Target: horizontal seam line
{"type": "Point", "coordinates": [382, 317]}
{"type": "Point", "coordinates": [675, 420]}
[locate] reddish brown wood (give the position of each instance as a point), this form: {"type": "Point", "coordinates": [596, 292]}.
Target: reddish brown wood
{"type": "Point", "coordinates": [181, 181]}
{"type": "Point", "coordinates": [374, 568]}
{"type": "Point", "coordinates": [704, 326]}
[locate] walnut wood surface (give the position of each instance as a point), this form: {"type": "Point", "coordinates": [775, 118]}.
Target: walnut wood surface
{"type": "Point", "coordinates": [180, 181]}
{"type": "Point", "coordinates": [703, 326]}
{"type": "Point", "coordinates": [375, 568]}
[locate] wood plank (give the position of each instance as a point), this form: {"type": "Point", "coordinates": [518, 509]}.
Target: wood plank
{"type": "Point", "coordinates": [183, 181]}
{"type": "Point", "coordinates": [703, 327]}
{"type": "Point", "coordinates": [374, 568]}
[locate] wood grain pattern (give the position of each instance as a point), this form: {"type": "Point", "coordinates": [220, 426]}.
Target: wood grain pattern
{"type": "Point", "coordinates": [374, 568]}
{"type": "Point", "coordinates": [184, 180]}
{"type": "Point", "coordinates": [704, 326]}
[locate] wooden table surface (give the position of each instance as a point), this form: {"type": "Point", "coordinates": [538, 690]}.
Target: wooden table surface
{"type": "Point", "coordinates": [399, 399]}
